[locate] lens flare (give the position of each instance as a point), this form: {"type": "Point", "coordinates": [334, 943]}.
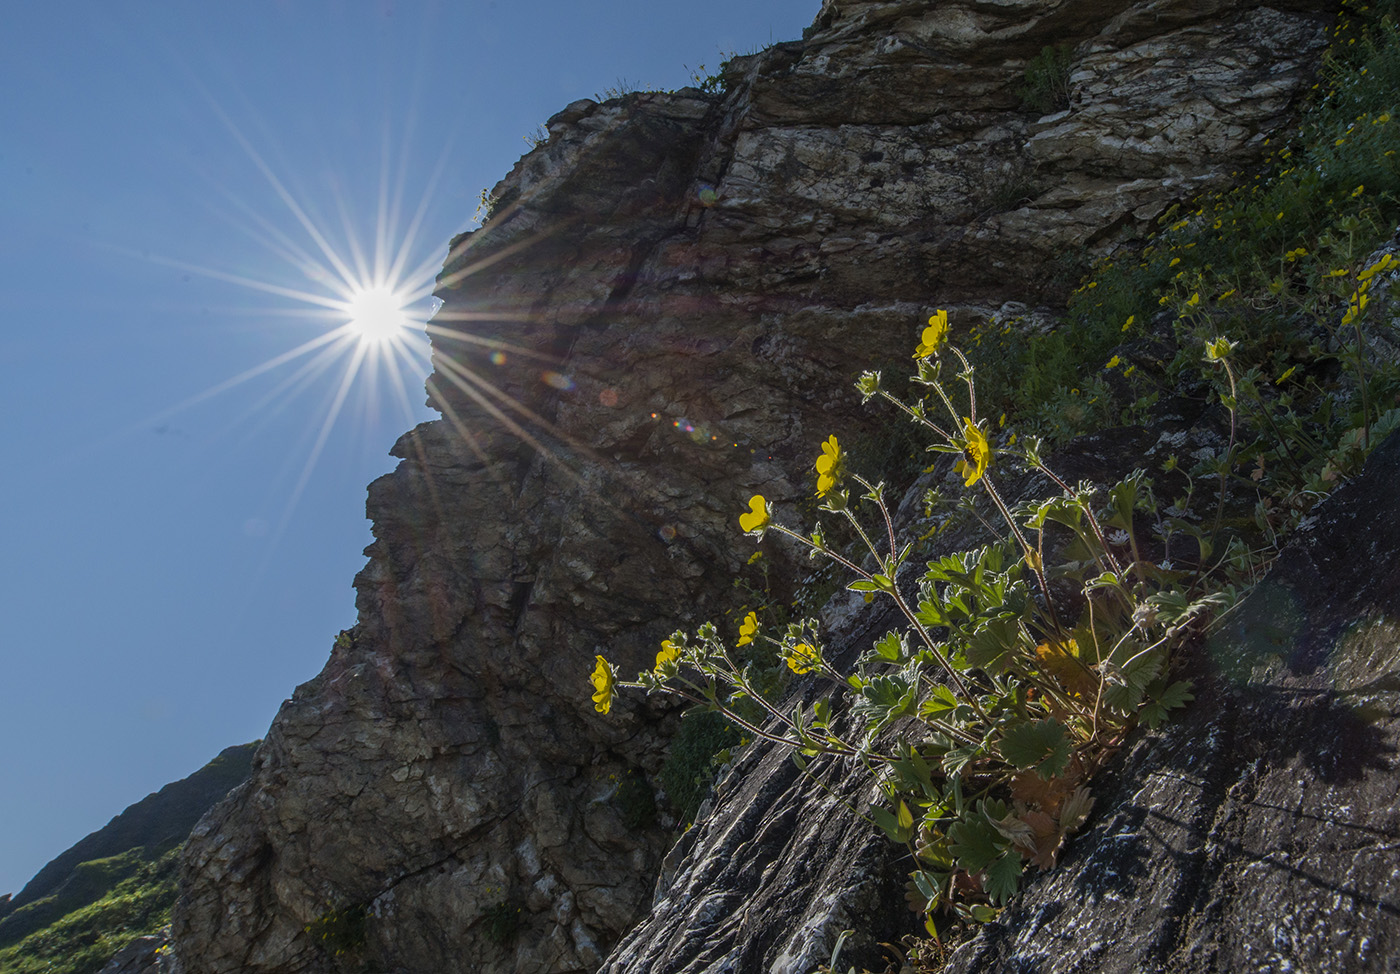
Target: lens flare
{"type": "Point", "coordinates": [376, 314]}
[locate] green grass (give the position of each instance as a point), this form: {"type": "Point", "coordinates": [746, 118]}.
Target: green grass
{"type": "Point", "coordinates": [125, 898]}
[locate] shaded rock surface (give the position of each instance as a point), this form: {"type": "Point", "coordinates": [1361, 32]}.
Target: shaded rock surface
{"type": "Point", "coordinates": [663, 315]}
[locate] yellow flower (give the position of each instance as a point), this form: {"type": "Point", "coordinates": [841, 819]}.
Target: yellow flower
{"type": "Point", "coordinates": [1379, 267]}
{"type": "Point", "coordinates": [1339, 272]}
{"type": "Point", "coordinates": [747, 629]}
{"type": "Point", "coordinates": [1129, 323]}
{"type": "Point", "coordinates": [802, 658]}
{"type": "Point", "coordinates": [602, 679]}
{"type": "Point", "coordinates": [1293, 255]}
{"type": "Point", "coordinates": [829, 466]}
{"type": "Point", "coordinates": [1175, 261]}
{"type": "Point", "coordinates": [669, 655]}
{"type": "Point", "coordinates": [1193, 300]}
{"type": "Point", "coordinates": [1358, 303]}
{"type": "Point", "coordinates": [1358, 191]}
{"type": "Point", "coordinates": [1113, 362]}
{"type": "Point", "coordinates": [934, 335]}
{"type": "Point", "coordinates": [977, 454]}
{"type": "Point", "coordinates": [757, 517]}
{"type": "Point", "coordinates": [1289, 371]}
{"type": "Point", "coordinates": [1226, 295]}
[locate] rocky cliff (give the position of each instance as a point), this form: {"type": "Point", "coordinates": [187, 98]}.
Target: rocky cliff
{"type": "Point", "coordinates": [662, 315]}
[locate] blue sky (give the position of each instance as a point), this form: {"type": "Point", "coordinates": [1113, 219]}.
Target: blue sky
{"type": "Point", "coordinates": [175, 563]}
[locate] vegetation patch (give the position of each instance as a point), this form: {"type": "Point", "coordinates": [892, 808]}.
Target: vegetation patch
{"type": "Point", "coordinates": [123, 897]}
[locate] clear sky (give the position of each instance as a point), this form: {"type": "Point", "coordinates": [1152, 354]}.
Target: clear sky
{"type": "Point", "coordinates": [180, 186]}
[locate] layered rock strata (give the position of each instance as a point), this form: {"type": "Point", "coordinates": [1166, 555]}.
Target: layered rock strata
{"type": "Point", "coordinates": [662, 316]}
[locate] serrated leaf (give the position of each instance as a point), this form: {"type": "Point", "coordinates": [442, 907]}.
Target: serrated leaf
{"type": "Point", "coordinates": [931, 614]}
{"type": "Point", "coordinates": [992, 648]}
{"type": "Point", "coordinates": [1177, 695]}
{"type": "Point", "coordinates": [890, 647]}
{"type": "Point", "coordinates": [940, 701]}
{"type": "Point", "coordinates": [956, 759]}
{"type": "Point", "coordinates": [1039, 744]}
{"type": "Point", "coordinates": [1002, 877]}
{"type": "Point", "coordinates": [974, 844]}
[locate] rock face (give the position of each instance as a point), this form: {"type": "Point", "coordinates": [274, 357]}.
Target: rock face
{"type": "Point", "coordinates": [663, 315]}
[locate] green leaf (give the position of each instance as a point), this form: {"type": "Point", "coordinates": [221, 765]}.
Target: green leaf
{"type": "Point", "coordinates": [1002, 878]}
{"type": "Point", "coordinates": [1040, 744]}
{"type": "Point", "coordinates": [884, 698]}
{"type": "Point", "coordinates": [974, 844]}
{"type": "Point", "coordinates": [891, 647]}
{"type": "Point", "coordinates": [860, 585]}
{"type": "Point", "coordinates": [940, 701]}
{"type": "Point", "coordinates": [956, 759]}
{"type": "Point", "coordinates": [993, 646]}
{"type": "Point", "coordinates": [931, 614]}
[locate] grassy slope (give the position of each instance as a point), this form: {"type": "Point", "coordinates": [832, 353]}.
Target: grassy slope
{"type": "Point", "coordinates": [117, 883]}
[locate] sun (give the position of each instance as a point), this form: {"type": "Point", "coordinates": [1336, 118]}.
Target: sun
{"type": "Point", "coordinates": [377, 314]}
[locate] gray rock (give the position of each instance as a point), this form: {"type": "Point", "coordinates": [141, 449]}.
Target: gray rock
{"type": "Point", "coordinates": [662, 316]}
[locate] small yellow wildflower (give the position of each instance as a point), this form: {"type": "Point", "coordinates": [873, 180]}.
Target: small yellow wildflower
{"type": "Point", "coordinates": [603, 679]}
{"type": "Point", "coordinates": [1379, 267]}
{"type": "Point", "coordinates": [1293, 255]}
{"type": "Point", "coordinates": [748, 629]}
{"type": "Point", "coordinates": [1358, 191]}
{"type": "Point", "coordinates": [1193, 300]}
{"type": "Point", "coordinates": [757, 517]}
{"type": "Point", "coordinates": [934, 335]}
{"type": "Point", "coordinates": [977, 454]}
{"type": "Point", "coordinates": [1226, 295]}
{"type": "Point", "coordinates": [755, 557]}
{"type": "Point", "coordinates": [829, 466]}
{"type": "Point", "coordinates": [1339, 272]}
{"type": "Point", "coordinates": [1358, 303]}
{"type": "Point", "coordinates": [1287, 372]}
{"type": "Point", "coordinates": [1112, 363]}
{"type": "Point", "coordinates": [669, 655]}
{"type": "Point", "coordinates": [802, 658]}
{"type": "Point", "coordinates": [1174, 262]}
{"type": "Point", "coordinates": [1129, 323]}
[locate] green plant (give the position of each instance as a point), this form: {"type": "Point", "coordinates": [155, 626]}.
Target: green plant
{"type": "Point", "coordinates": [502, 923]}
{"type": "Point", "coordinates": [635, 801]}
{"type": "Point", "coordinates": [1007, 691]}
{"type": "Point", "coordinates": [341, 933]}
{"type": "Point", "coordinates": [83, 938]}
{"type": "Point", "coordinates": [689, 766]}
{"type": "Point", "coordinates": [1045, 87]}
